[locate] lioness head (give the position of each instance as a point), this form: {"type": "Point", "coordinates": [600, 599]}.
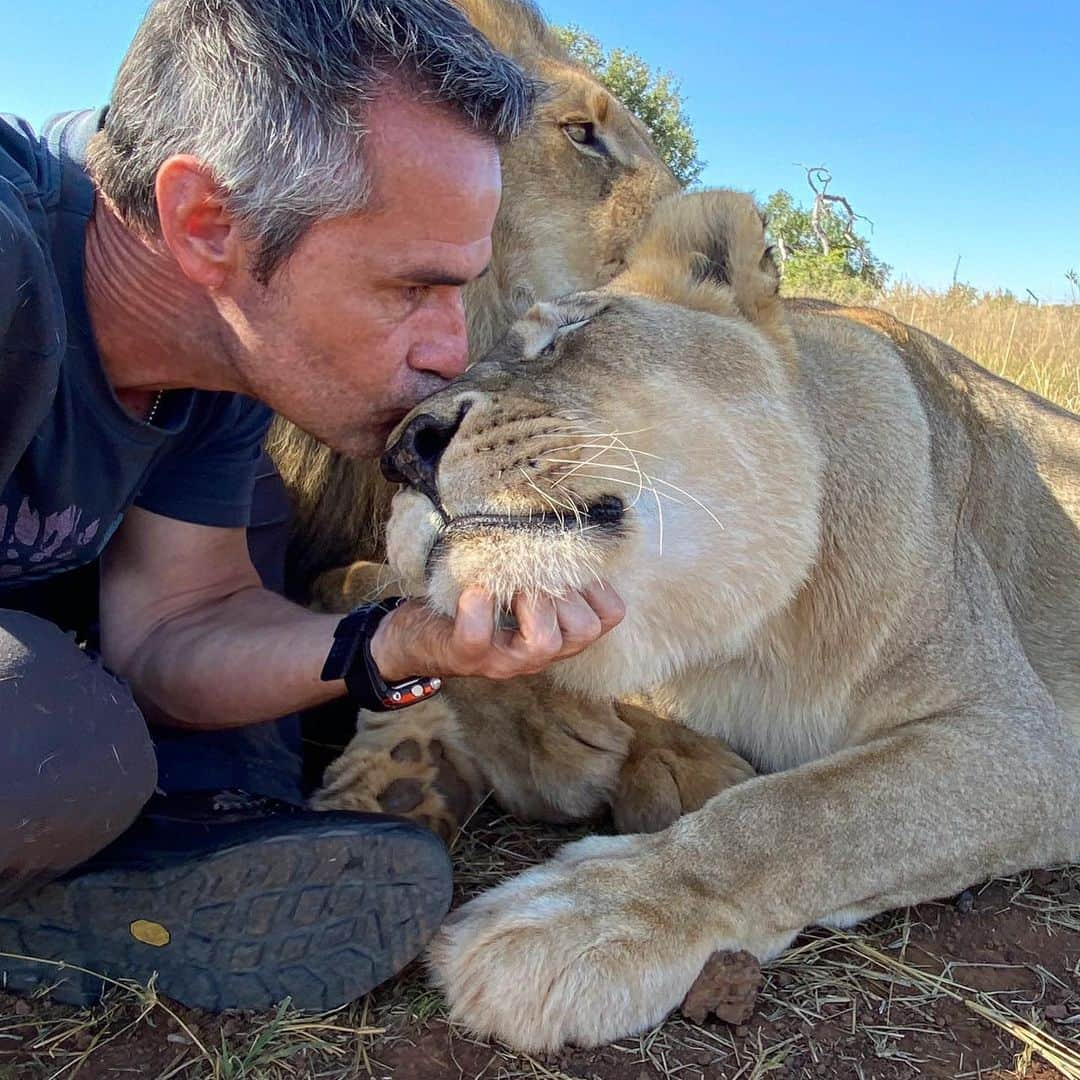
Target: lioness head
{"type": "Point", "coordinates": [650, 433]}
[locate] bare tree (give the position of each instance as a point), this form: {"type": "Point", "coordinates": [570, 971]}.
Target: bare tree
{"type": "Point", "coordinates": [819, 178]}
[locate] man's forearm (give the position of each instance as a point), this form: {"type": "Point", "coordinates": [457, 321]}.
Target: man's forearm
{"type": "Point", "coordinates": [248, 657]}
{"type": "Point", "coordinates": [252, 655]}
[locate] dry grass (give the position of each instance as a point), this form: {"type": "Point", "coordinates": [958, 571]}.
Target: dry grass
{"type": "Point", "coordinates": [1037, 346]}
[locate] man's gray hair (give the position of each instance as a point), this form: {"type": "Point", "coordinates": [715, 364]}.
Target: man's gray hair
{"type": "Point", "coordinates": [270, 95]}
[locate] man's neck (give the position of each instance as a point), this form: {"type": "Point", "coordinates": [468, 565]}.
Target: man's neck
{"type": "Point", "coordinates": [153, 329]}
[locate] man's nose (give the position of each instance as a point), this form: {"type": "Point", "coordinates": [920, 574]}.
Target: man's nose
{"type": "Point", "coordinates": [446, 352]}
{"type": "Point", "coordinates": [414, 457]}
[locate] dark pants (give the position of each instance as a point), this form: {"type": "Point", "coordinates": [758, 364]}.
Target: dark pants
{"type": "Point", "coordinates": [78, 762]}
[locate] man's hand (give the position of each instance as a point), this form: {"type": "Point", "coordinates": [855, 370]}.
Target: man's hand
{"type": "Point", "coordinates": [414, 641]}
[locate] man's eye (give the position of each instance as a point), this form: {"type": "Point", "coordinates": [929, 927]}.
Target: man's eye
{"type": "Point", "coordinates": [415, 293]}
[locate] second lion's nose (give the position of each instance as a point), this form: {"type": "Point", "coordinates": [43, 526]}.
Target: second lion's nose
{"type": "Point", "coordinates": [414, 457]}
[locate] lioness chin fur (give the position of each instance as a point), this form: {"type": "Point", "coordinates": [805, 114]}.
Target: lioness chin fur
{"type": "Point", "coordinates": [867, 583]}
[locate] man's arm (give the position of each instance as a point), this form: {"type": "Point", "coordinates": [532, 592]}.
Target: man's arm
{"type": "Point", "coordinates": [186, 621]}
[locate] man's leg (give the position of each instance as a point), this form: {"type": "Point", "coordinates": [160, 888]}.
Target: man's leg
{"type": "Point", "coordinates": [77, 763]}
{"type": "Point", "coordinates": [233, 902]}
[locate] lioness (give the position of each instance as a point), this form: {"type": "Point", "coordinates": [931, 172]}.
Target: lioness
{"type": "Point", "coordinates": [852, 554]}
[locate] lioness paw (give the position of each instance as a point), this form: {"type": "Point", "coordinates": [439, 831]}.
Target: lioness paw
{"type": "Point", "coordinates": [669, 771]}
{"type": "Point", "coordinates": [596, 944]}
{"type": "Point", "coordinates": [405, 765]}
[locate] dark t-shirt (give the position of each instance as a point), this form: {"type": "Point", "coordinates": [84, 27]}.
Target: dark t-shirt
{"type": "Point", "coordinates": [72, 460]}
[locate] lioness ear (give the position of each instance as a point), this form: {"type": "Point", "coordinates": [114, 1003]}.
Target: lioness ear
{"type": "Point", "coordinates": [707, 250]}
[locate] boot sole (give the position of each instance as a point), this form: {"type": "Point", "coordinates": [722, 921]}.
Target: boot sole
{"type": "Point", "coordinates": [320, 915]}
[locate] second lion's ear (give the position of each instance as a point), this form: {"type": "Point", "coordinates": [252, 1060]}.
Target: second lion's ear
{"type": "Point", "coordinates": [706, 250]}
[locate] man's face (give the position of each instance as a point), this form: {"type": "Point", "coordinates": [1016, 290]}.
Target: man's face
{"type": "Point", "coordinates": [365, 317]}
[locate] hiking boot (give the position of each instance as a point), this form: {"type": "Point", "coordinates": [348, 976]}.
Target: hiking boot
{"type": "Point", "coordinates": [235, 901]}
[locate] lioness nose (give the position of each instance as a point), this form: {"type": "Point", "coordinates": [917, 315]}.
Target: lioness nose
{"type": "Point", "coordinates": [414, 458]}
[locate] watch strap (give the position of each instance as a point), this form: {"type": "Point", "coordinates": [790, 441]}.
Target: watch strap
{"type": "Point", "coordinates": [350, 659]}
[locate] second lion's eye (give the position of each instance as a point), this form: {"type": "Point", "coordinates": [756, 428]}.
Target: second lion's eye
{"type": "Point", "coordinates": [583, 135]}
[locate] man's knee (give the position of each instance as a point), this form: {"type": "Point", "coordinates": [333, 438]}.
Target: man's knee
{"type": "Point", "coordinates": [78, 763]}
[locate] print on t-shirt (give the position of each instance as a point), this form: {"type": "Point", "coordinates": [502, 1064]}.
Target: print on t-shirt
{"type": "Point", "coordinates": [41, 544]}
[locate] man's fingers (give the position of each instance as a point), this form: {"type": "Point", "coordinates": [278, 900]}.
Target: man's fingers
{"type": "Point", "coordinates": [474, 623]}
{"type": "Point", "coordinates": [548, 629]}
{"type": "Point", "coordinates": [607, 604]}
{"type": "Point", "coordinates": [539, 636]}
{"type": "Point", "coordinates": [579, 623]}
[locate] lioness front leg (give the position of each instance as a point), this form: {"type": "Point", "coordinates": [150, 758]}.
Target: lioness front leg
{"type": "Point", "coordinates": [605, 939]}
{"type": "Point", "coordinates": [545, 754]}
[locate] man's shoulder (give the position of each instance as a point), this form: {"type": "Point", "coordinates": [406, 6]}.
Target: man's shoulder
{"type": "Point", "coordinates": [48, 167]}
{"type": "Point", "coordinates": [21, 154]}
{"type": "Point", "coordinates": [40, 269]}
{"type": "Point", "coordinates": [29, 306]}
{"type": "Point", "coordinates": [24, 176]}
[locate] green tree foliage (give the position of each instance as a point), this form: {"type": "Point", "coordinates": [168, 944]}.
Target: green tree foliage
{"type": "Point", "coordinates": [653, 96]}
{"type": "Point", "coordinates": [823, 255]}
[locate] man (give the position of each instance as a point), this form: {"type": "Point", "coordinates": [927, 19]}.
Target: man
{"type": "Point", "coordinates": [278, 211]}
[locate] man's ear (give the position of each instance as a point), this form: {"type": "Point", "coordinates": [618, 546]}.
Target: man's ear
{"type": "Point", "coordinates": [706, 250]}
{"type": "Point", "coordinates": [197, 227]}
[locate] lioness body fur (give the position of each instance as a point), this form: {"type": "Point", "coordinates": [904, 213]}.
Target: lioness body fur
{"type": "Point", "coordinates": [870, 590]}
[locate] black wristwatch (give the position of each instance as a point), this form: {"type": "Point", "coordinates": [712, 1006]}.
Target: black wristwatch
{"type": "Point", "coordinates": [350, 659]}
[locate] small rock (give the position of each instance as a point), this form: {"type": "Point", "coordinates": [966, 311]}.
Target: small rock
{"type": "Point", "coordinates": [727, 988]}
{"type": "Point", "coordinates": [965, 902]}
{"type": "Point", "coordinates": [176, 1037]}
{"type": "Point", "coordinates": [1055, 1012]}
{"type": "Point", "coordinates": [22, 1008]}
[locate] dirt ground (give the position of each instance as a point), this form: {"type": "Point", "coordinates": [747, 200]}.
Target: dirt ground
{"type": "Point", "coordinates": [986, 985]}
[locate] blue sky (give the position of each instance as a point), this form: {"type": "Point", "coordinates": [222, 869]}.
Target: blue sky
{"type": "Point", "coordinates": [953, 126]}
